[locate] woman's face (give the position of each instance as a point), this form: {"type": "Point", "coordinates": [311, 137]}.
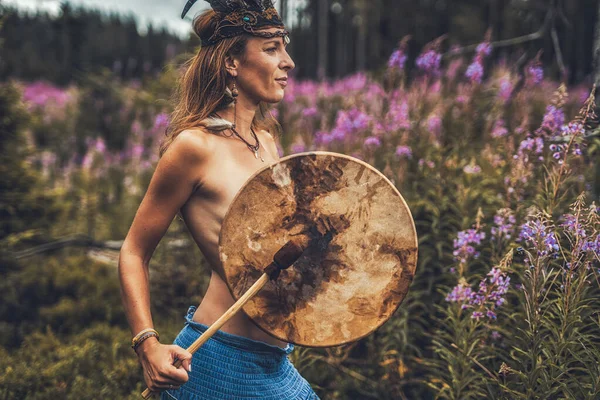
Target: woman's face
{"type": "Point", "coordinates": [262, 74]}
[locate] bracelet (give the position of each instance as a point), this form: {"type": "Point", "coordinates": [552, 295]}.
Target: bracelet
{"type": "Point", "coordinates": [143, 335]}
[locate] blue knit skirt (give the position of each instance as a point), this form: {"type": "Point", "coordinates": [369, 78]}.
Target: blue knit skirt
{"type": "Point", "coordinates": [233, 367]}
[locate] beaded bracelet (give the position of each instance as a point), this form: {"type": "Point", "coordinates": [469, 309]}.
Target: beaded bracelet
{"type": "Point", "coordinates": [142, 336]}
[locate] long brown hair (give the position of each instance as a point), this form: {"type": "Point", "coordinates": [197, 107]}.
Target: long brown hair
{"type": "Point", "coordinates": [201, 89]}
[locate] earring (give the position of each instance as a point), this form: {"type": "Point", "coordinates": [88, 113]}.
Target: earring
{"type": "Point", "coordinates": [234, 94]}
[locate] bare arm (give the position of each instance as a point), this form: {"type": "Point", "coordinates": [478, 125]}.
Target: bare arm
{"type": "Point", "coordinates": [173, 182]}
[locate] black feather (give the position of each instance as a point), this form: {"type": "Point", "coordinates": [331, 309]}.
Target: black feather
{"type": "Point", "coordinates": [187, 7]}
{"type": "Point", "coordinates": [227, 6]}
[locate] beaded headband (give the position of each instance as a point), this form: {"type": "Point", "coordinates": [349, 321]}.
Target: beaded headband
{"type": "Point", "coordinates": [241, 16]}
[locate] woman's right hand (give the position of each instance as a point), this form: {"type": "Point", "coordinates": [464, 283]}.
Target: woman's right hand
{"type": "Point", "coordinates": [157, 361]}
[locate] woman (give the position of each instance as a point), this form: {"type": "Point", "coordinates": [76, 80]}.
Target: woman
{"type": "Point", "coordinates": [220, 134]}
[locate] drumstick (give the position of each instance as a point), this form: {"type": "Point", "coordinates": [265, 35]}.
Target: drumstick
{"type": "Point", "coordinates": [284, 258]}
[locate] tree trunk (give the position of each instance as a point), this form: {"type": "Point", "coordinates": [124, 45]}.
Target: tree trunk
{"type": "Point", "coordinates": [322, 38]}
{"type": "Point", "coordinates": [283, 11]}
{"type": "Point", "coordinates": [596, 72]}
{"type": "Point", "coordinates": [596, 50]}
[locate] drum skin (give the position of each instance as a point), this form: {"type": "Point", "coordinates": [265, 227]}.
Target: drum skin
{"type": "Point", "coordinates": [361, 260]}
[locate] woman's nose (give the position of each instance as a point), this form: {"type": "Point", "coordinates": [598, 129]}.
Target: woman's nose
{"type": "Point", "coordinates": [287, 63]}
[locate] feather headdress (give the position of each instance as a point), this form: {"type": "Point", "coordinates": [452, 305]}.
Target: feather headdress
{"type": "Point", "coordinates": [241, 16]}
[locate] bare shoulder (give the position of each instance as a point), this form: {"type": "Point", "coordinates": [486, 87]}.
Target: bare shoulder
{"type": "Point", "coordinates": [196, 143]}
{"type": "Point", "coordinates": [271, 143]}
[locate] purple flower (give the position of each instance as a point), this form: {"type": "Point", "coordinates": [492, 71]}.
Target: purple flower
{"type": "Point", "coordinates": [489, 296]}
{"type": "Point", "coordinates": [484, 49]}
{"type": "Point", "coordinates": [461, 293]}
{"type": "Point", "coordinates": [352, 120]}
{"type": "Point", "coordinates": [429, 62]}
{"type": "Point", "coordinates": [372, 142]}
{"type": "Point", "coordinates": [86, 163]}
{"type": "Point", "coordinates": [592, 245]}
{"type": "Point", "coordinates": [499, 129]}
{"type": "Point", "coordinates": [100, 146]}
{"type": "Point", "coordinates": [137, 151]}
{"type": "Point", "coordinates": [506, 88]}
{"type": "Point", "coordinates": [453, 68]}
{"type": "Point", "coordinates": [540, 235]}
{"type": "Point", "coordinates": [477, 315]}
{"type": "Point", "coordinates": [534, 74]}
{"type": "Point", "coordinates": [505, 222]}
{"type": "Point", "coordinates": [161, 121]}
{"type": "Point", "coordinates": [323, 137]}
{"type": "Point", "coordinates": [574, 228]}
{"type": "Point", "coordinates": [298, 148]}
{"type": "Point", "coordinates": [397, 59]}
{"type": "Point", "coordinates": [554, 118]}
{"type": "Point", "coordinates": [428, 163]}
{"type": "Point", "coordinates": [475, 71]}
{"type": "Point", "coordinates": [532, 144]}
{"type": "Point", "coordinates": [573, 128]}
{"type": "Point", "coordinates": [309, 112]}
{"type": "Point", "coordinates": [404, 151]}
{"type": "Point", "coordinates": [463, 249]}
{"type": "Point", "coordinates": [397, 117]}
{"type": "Point", "coordinates": [434, 124]}
{"type": "Point", "coordinates": [40, 94]}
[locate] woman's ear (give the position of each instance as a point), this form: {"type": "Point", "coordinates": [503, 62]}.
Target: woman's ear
{"type": "Point", "coordinates": [231, 65]}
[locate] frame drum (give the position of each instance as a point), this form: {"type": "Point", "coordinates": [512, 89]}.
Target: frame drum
{"type": "Point", "coordinates": [361, 260]}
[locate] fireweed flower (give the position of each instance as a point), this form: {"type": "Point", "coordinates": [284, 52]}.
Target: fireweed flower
{"type": "Point", "coordinates": [499, 129]}
{"type": "Point", "coordinates": [554, 118]}
{"type": "Point", "coordinates": [298, 148]}
{"type": "Point", "coordinates": [161, 121]}
{"type": "Point", "coordinates": [39, 94]}
{"type": "Point", "coordinates": [429, 62]}
{"type": "Point", "coordinates": [558, 152]}
{"type": "Point", "coordinates": [484, 49]}
{"type": "Point", "coordinates": [434, 125]}
{"type": "Point", "coordinates": [592, 246]}
{"type": "Point", "coordinates": [397, 117]}
{"type": "Point", "coordinates": [573, 128]}
{"type": "Point", "coordinates": [428, 163]}
{"type": "Point", "coordinates": [372, 142]}
{"type": "Point", "coordinates": [461, 293]}
{"type": "Point", "coordinates": [504, 222]}
{"type": "Point", "coordinates": [323, 138]}
{"type": "Point", "coordinates": [573, 226]}
{"type": "Point", "coordinates": [530, 145]}
{"type": "Point", "coordinates": [534, 74]}
{"type": "Point", "coordinates": [541, 236]}
{"type": "Point", "coordinates": [463, 249]}
{"type": "Point", "coordinates": [475, 70]}
{"type": "Point", "coordinates": [505, 89]}
{"type": "Point", "coordinates": [403, 151]}
{"type": "Point", "coordinates": [488, 297]}
{"type": "Point", "coordinates": [352, 120]}
{"type": "Point", "coordinates": [452, 70]}
{"type": "Point", "coordinates": [397, 59]}
{"type": "Point", "coordinates": [309, 112]}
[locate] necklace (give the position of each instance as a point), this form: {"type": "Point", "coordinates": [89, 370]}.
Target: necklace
{"type": "Point", "coordinates": [255, 148]}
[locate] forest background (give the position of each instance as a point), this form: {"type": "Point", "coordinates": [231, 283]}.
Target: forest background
{"type": "Point", "coordinates": [482, 114]}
